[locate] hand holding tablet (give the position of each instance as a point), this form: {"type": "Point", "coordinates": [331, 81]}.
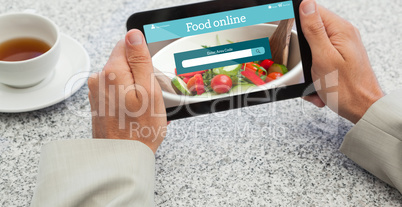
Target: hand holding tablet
{"type": "Point", "coordinates": [341, 69]}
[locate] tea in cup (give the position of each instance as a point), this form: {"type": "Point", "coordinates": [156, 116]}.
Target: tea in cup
{"type": "Point", "coordinates": [29, 49]}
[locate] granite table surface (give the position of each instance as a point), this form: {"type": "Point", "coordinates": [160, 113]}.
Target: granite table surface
{"type": "Point", "coordinates": [280, 154]}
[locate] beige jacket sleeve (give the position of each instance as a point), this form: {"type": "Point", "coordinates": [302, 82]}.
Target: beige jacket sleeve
{"type": "Point", "coordinates": [94, 172]}
{"type": "Point", "coordinates": [375, 143]}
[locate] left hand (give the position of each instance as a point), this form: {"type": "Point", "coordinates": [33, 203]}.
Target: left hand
{"type": "Point", "coordinates": [337, 48]}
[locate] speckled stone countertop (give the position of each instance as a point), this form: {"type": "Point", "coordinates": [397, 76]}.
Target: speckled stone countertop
{"type": "Point", "coordinates": [281, 154]}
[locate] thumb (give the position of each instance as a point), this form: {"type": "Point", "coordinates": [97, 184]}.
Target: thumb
{"type": "Point", "coordinates": [315, 99]}
{"type": "Point", "coordinates": [313, 27]}
{"type": "Point", "coordinates": [138, 58]}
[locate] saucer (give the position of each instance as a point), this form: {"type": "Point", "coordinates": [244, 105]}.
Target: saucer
{"type": "Point", "coordinates": [70, 74]}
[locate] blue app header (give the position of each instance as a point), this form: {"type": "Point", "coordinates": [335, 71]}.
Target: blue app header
{"type": "Point", "coordinates": [218, 21]}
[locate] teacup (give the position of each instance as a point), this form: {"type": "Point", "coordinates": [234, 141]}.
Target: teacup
{"type": "Point", "coordinates": [30, 72]}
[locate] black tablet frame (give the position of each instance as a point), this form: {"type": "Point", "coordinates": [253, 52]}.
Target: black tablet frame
{"type": "Point", "coordinates": [138, 20]}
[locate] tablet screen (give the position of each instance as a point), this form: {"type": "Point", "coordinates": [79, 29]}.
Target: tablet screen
{"type": "Point", "coordinates": [226, 53]}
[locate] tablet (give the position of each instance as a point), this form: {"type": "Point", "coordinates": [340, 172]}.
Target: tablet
{"type": "Point", "coordinates": [225, 54]}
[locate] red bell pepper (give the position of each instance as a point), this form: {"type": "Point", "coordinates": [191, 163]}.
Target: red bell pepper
{"type": "Point", "coordinates": [254, 67]}
{"type": "Point", "coordinates": [189, 74]}
{"type": "Point", "coordinates": [253, 77]}
{"type": "Point", "coordinates": [186, 79]}
{"type": "Point", "coordinates": [199, 84]}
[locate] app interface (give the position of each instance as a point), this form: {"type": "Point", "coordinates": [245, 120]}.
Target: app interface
{"type": "Point", "coordinates": [228, 53]}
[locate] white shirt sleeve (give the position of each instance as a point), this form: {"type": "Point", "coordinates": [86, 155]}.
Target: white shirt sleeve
{"type": "Point", "coordinates": [93, 172]}
{"type": "Point", "coordinates": [375, 143]}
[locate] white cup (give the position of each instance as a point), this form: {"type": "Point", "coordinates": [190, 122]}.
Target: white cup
{"type": "Point", "coordinates": [27, 73]}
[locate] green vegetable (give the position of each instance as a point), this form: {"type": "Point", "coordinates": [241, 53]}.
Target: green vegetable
{"type": "Point", "coordinates": [217, 40]}
{"type": "Point", "coordinates": [207, 77]}
{"type": "Point", "coordinates": [230, 70]}
{"type": "Point", "coordinates": [277, 68]}
{"type": "Point", "coordinates": [242, 88]}
{"type": "Point", "coordinates": [180, 85]}
{"type": "Point", "coordinates": [235, 90]}
{"type": "Point", "coordinates": [217, 71]}
{"type": "Point", "coordinates": [239, 80]}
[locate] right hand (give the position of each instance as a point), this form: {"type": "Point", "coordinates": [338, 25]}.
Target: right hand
{"type": "Point", "coordinates": [340, 63]}
{"type": "Point", "coordinates": [124, 102]}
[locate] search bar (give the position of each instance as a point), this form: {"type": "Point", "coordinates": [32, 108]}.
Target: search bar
{"type": "Point", "coordinates": [223, 57]}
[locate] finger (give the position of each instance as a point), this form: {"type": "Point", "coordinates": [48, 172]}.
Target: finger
{"type": "Point", "coordinates": [313, 27]}
{"type": "Point", "coordinates": [138, 58]}
{"type": "Point", "coordinates": [93, 80]}
{"type": "Point", "coordinates": [343, 35]}
{"type": "Point", "coordinates": [118, 55]}
{"type": "Point", "coordinates": [93, 85]}
{"type": "Point", "coordinates": [314, 99]}
{"type": "Point", "coordinates": [117, 71]}
{"type": "Point", "coordinates": [333, 23]}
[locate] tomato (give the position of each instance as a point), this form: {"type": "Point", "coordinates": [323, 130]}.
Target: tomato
{"type": "Point", "coordinates": [275, 75]}
{"type": "Point", "coordinates": [268, 79]}
{"type": "Point", "coordinates": [267, 64]}
{"type": "Point", "coordinates": [253, 67]}
{"type": "Point", "coordinates": [221, 84]}
{"type": "Point", "coordinates": [196, 84]}
{"type": "Point", "coordinates": [191, 84]}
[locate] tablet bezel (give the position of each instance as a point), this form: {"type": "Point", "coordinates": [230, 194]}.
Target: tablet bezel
{"type": "Point", "coordinates": [138, 20]}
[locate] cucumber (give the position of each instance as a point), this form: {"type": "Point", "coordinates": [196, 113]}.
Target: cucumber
{"type": "Point", "coordinates": [235, 90]}
{"type": "Point", "coordinates": [277, 68]}
{"type": "Point", "coordinates": [242, 88]}
{"type": "Point", "coordinates": [227, 70]}
{"type": "Point", "coordinates": [217, 71]}
{"type": "Point", "coordinates": [180, 86]}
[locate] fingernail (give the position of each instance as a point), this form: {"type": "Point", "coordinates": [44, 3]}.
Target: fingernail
{"type": "Point", "coordinates": [135, 38]}
{"type": "Point", "coordinates": [309, 8]}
